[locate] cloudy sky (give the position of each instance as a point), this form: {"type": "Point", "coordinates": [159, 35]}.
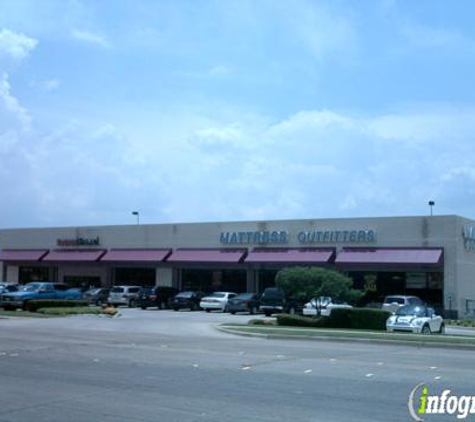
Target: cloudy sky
{"type": "Point", "coordinates": [216, 110]}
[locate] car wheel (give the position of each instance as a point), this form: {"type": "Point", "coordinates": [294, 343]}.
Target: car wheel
{"type": "Point", "coordinates": [233, 312]}
{"type": "Point", "coordinates": [175, 309]}
{"type": "Point", "coordinates": [442, 329]}
{"type": "Point", "coordinates": [426, 330]}
{"type": "Point", "coordinates": [24, 305]}
{"type": "Point", "coordinates": [193, 307]}
{"type": "Point", "coordinates": [268, 314]}
{"type": "Point", "coordinates": [207, 310]}
{"type": "Point", "coordinates": [143, 307]}
{"type": "Point", "coordinates": [225, 309]}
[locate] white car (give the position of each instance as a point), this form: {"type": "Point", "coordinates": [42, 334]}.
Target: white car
{"type": "Point", "coordinates": [325, 304]}
{"type": "Point", "coordinates": [416, 319]}
{"type": "Point", "coordinates": [216, 301]}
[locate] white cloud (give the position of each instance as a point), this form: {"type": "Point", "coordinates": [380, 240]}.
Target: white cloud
{"type": "Point", "coordinates": [12, 112]}
{"type": "Point", "coordinates": [15, 45]}
{"type": "Point", "coordinates": [50, 84]}
{"type": "Point", "coordinates": [220, 70]}
{"type": "Point", "coordinates": [191, 167]}
{"type": "Point", "coordinates": [90, 37]}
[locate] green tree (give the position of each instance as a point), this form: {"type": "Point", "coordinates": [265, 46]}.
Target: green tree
{"type": "Point", "coordinates": [306, 283]}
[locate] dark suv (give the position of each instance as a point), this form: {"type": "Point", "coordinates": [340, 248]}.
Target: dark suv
{"type": "Point", "coordinates": [158, 296]}
{"type": "Point", "coordinates": [274, 300]}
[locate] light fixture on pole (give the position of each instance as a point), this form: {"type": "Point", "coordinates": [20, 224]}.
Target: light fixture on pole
{"type": "Point", "coordinates": [431, 204]}
{"type": "Point", "coordinates": [136, 213]}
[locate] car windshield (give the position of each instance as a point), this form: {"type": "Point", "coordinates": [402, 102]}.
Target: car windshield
{"type": "Point", "coordinates": [245, 296]}
{"type": "Point", "coordinates": [412, 311]}
{"type": "Point", "coordinates": [32, 287]}
{"type": "Point", "coordinates": [93, 291]}
{"type": "Point", "coordinates": [269, 293]}
{"type": "Point", "coordinates": [185, 294]}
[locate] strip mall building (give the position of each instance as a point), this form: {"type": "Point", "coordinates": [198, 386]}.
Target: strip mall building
{"type": "Point", "coordinates": [431, 257]}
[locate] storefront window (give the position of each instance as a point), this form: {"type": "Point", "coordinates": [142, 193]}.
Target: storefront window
{"type": "Point", "coordinates": [135, 276]}
{"type": "Point", "coordinates": [30, 274]}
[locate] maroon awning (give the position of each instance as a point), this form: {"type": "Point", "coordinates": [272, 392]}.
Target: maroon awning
{"type": "Point", "coordinates": [291, 255]}
{"type": "Point", "coordinates": [136, 255]}
{"type": "Point", "coordinates": [22, 254]}
{"type": "Point", "coordinates": [86, 255]}
{"type": "Point", "coordinates": [207, 255]}
{"type": "Point", "coordinates": [391, 256]}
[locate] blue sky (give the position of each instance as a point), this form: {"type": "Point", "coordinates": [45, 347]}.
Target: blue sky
{"type": "Point", "coordinates": [234, 110]}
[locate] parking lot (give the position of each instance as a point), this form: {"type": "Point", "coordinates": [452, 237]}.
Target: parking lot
{"type": "Point", "coordinates": [174, 366]}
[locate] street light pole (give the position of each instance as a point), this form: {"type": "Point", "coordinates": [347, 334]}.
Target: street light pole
{"type": "Point", "coordinates": [136, 213]}
{"type": "Point", "coordinates": [431, 204]}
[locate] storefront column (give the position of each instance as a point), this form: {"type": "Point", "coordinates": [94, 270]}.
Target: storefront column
{"type": "Point", "coordinates": [251, 281]}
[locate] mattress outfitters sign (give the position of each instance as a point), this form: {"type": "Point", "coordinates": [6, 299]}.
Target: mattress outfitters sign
{"type": "Point", "coordinates": [282, 237]}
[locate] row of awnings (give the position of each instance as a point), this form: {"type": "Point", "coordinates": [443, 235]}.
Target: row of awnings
{"type": "Point", "coordinates": [309, 256]}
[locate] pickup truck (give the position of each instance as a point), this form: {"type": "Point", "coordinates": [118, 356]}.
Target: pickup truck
{"type": "Point", "coordinates": [39, 290]}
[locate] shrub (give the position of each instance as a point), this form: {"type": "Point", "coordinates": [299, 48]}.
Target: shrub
{"type": "Point", "coordinates": [261, 322]}
{"type": "Point", "coordinates": [301, 321]}
{"type": "Point", "coordinates": [368, 319]}
{"type": "Point", "coordinates": [34, 305]}
{"type": "Point", "coordinates": [354, 318]}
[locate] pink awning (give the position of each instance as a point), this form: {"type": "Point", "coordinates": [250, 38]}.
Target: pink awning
{"type": "Point", "coordinates": [136, 255]}
{"type": "Point", "coordinates": [291, 255]}
{"type": "Point", "coordinates": [22, 255]}
{"type": "Point", "coordinates": [81, 255]}
{"type": "Point", "coordinates": [394, 256]}
{"type": "Point", "coordinates": [207, 255]}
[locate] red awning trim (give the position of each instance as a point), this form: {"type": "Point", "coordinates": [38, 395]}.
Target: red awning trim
{"type": "Point", "coordinates": [207, 255]}
{"type": "Point", "coordinates": [76, 255]}
{"type": "Point", "coordinates": [22, 254]}
{"type": "Point", "coordinates": [391, 256]}
{"type": "Point", "coordinates": [291, 255]}
{"type": "Point", "coordinates": [136, 255]}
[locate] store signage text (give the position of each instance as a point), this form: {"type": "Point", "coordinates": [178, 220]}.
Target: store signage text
{"type": "Point", "coordinates": [277, 237]}
{"type": "Point", "coordinates": [468, 234]}
{"type": "Point", "coordinates": [79, 241]}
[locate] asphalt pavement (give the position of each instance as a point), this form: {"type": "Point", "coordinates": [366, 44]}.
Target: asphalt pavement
{"type": "Point", "coordinates": [175, 366]}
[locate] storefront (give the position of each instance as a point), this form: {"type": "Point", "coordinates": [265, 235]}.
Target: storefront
{"type": "Point", "coordinates": [431, 257]}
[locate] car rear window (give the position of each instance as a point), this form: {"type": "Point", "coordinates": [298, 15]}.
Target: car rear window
{"type": "Point", "coordinates": [117, 290]}
{"type": "Point", "coordinates": [217, 295]}
{"type": "Point", "coordinates": [392, 299]}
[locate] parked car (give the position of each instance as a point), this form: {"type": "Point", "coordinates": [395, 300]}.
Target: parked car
{"type": "Point", "coordinates": [97, 296]}
{"type": "Point", "coordinates": [244, 302]}
{"type": "Point", "coordinates": [393, 302]}
{"type": "Point", "coordinates": [189, 299]}
{"type": "Point", "coordinates": [158, 296]}
{"type": "Point", "coordinates": [416, 319]}
{"type": "Point", "coordinates": [325, 304]}
{"type": "Point", "coordinates": [274, 300]}
{"type": "Point", "coordinates": [124, 295]}
{"type": "Point", "coordinates": [217, 301]}
{"type": "Point", "coordinates": [38, 290]}
{"type": "Point", "coordinates": [9, 287]}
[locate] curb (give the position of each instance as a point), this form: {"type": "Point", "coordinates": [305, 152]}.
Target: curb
{"type": "Point", "coordinates": [395, 342]}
